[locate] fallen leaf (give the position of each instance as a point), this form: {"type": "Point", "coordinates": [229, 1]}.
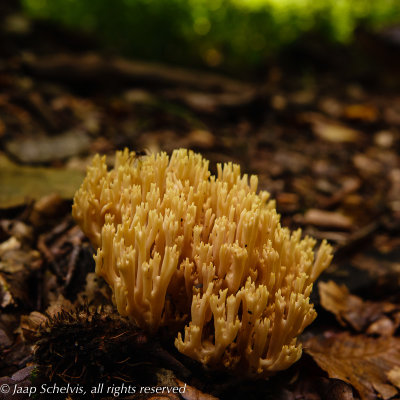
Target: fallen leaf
{"type": "Point", "coordinates": [30, 325]}
{"type": "Point", "coordinates": [138, 96]}
{"type": "Point", "coordinates": [164, 396]}
{"type": "Point", "coordinates": [384, 139]}
{"type": "Point", "coordinates": [47, 208]}
{"type": "Point", "coordinates": [329, 219]}
{"type": "Point", "coordinates": [9, 245]}
{"type": "Point", "coordinates": [329, 129]}
{"type": "Point", "coordinates": [58, 305]}
{"type": "Point", "coordinates": [362, 361]}
{"type": "Point", "coordinates": [95, 291]}
{"type": "Point", "coordinates": [354, 311]}
{"type": "Point", "coordinates": [20, 231]}
{"type": "Point", "coordinates": [191, 393]}
{"type": "Point", "coordinates": [331, 106]}
{"type": "Point", "coordinates": [201, 138]}
{"type": "Point", "coordinates": [334, 389]}
{"type": "Point", "coordinates": [292, 161]}
{"type": "Point", "coordinates": [210, 102]}
{"type": "Point", "coordinates": [394, 376]}
{"type": "Point", "coordinates": [20, 183]}
{"type": "Point", "coordinates": [278, 102]}
{"type": "Point", "coordinates": [392, 115]}
{"type": "Point", "coordinates": [367, 165]}
{"type": "Point", "coordinates": [337, 133]}
{"type": "Point", "coordinates": [22, 378]}
{"type": "Point", "coordinates": [6, 298]}
{"type": "Point", "coordinates": [384, 271]}
{"type": "Point", "coordinates": [287, 201]}
{"type": "Point", "coordinates": [5, 340]}
{"type": "Point", "coordinates": [363, 112]}
{"type": "Point", "coordinates": [17, 266]}
{"type": "Point", "coordinates": [46, 149]}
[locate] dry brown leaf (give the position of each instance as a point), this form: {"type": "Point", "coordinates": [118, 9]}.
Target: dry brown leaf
{"type": "Point", "coordinates": [334, 389]}
{"type": "Point", "coordinates": [201, 138]}
{"type": "Point", "coordinates": [59, 304]}
{"type": "Point", "coordinates": [168, 396]}
{"type": "Point", "coordinates": [46, 208]}
{"type": "Point", "coordinates": [210, 102]}
{"type": "Point", "coordinates": [95, 291]}
{"type": "Point", "coordinates": [394, 376]}
{"type": "Point", "coordinates": [354, 311]}
{"type": "Point", "coordinates": [31, 323]}
{"type": "Point", "coordinates": [384, 139]}
{"type": "Point", "coordinates": [330, 130]}
{"type": "Point", "coordinates": [17, 266]}
{"type": "Point", "coordinates": [191, 393]}
{"type": "Point", "coordinates": [367, 165]}
{"type": "Point", "coordinates": [331, 106]}
{"type": "Point", "coordinates": [379, 269]}
{"type": "Point", "coordinates": [327, 219]}
{"type": "Point", "coordinates": [362, 361]}
{"type": "Point", "coordinates": [334, 132]}
{"type": "Point", "coordinates": [136, 396]}
{"type": "Point", "coordinates": [288, 201]}
{"type": "Point", "coordinates": [363, 112]}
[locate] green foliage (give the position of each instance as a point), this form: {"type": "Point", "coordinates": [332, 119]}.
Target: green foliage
{"type": "Point", "coordinates": [231, 34]}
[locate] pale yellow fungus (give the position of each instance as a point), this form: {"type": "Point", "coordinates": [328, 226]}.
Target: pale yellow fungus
{"type": "Point", "coordinates": [179, 245]}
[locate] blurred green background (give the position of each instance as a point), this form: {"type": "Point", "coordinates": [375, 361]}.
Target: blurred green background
{"type": "Point", "coordinates": [236, 36]}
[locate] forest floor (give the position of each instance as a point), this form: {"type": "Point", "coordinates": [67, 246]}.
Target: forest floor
{"type": "Point", "coordinates": [324, 141]}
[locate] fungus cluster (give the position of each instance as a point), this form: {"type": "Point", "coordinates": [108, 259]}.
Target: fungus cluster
{"type": "Point", "coordinates": [181, 247]}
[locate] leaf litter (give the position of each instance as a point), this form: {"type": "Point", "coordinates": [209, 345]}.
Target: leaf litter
{"type": "Point", "coordinates": [328, 152]}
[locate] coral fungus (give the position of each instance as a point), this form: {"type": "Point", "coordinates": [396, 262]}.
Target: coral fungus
{"type": "Point", "coordinates": [178, 245]}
